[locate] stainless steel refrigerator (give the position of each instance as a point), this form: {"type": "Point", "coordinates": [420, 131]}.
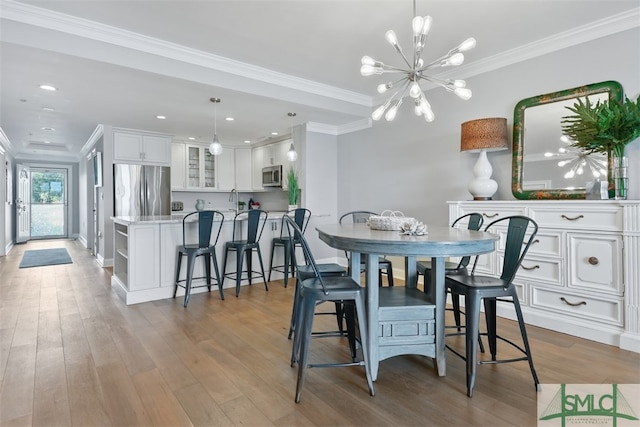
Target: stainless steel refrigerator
{"type": "Point", "coordinates": [141, 190]}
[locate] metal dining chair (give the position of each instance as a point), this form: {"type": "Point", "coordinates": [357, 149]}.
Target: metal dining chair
{"type": "Point", "coordinates": [301, 217]}
{"type": "Point", "coordinates": [520, 233]}
{"type": "Point", "coordinates": [474, 222]}
{"type": "Point", "coordinates": [254, 222]}
{"type": "Point", "coordinates": [385, 266]}
{"type": "Point", "coordinates": [316, 290]}
{"type": "Point", "coordinates": [204, 220]}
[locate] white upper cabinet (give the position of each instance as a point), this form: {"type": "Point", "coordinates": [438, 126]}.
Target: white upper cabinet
{"type": "Point", "coordinates": [178, 166]}
{"type": "Point", "coordinates": [243, 172]}
{"type": "Point", "coordinates": [226, 169]}
{"type": "Point", "coordinates": [140, 147]}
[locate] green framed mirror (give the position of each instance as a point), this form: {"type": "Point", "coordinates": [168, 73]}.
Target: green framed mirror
{"type": "Point", "coordinates": [544, 166]}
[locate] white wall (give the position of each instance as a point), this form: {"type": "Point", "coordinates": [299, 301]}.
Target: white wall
{"type": "Point", "coordinates": [415, 167]}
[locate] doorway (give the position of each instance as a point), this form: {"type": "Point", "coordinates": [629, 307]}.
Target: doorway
{"type": "Point", "coordinates": [42, 203]}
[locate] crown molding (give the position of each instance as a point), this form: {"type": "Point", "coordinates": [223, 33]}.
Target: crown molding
{"type": "Point", "coordinates": [84, 28]}
{"type": "Point", "coordinates": [5, 144]}
{"type": "Point", "coordinates": [91, 142]}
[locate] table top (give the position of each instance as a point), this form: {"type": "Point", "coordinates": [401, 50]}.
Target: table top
{"type": "Point", "coordinates": [438, 242]}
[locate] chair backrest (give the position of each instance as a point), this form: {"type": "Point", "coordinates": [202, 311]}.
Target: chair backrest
{"type": "Point", "coordinates": [255, 220]}
{"type": "Point", "coordinates": [475, 222]}
{"type": "Point", "coordinates": [294, 232]}
{"type": "Point", "coordinates": [205, 221]}
{"type": "Point", "coordinates": [516, 244]}
{"type": "Point", "coordinates": [357, 217]}
{"type": "Point", "coordinates": [301, 216]}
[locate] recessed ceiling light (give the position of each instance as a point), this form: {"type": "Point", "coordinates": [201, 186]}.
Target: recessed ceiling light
{"type": "Point", "coordinates": [229, 119]}
{"type": "Point", "coordinates": [47, 142]}
{"type": "Point", "coordinates": [274, 133]}
{"type": "Point", "coordinates": [247, 141]}
{"type": "Point", "coordinates": [49, 129]}
{"type": "Point", "coordinates": [161, 117]}
{"type": "Point", "coordinates": [191, 138]}
{"type": "Point", "coordinates": [48, 109]}
{"type": "Point", "coordinates": [48, 87]}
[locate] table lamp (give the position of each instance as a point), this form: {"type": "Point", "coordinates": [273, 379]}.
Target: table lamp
{"type": "Point", "coordinates": [483, 135]}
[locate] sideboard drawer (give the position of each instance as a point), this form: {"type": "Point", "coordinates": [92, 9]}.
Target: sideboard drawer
{"type": "Point", "coordinates": [544, 243]}
{"type": "Point", "coordinates": [592, 263]}
{"type": "Point", "coordinates": [579, 218]}
{"type": "Point", "coordinates": [489, 214]}
{"type": "Point", "coordinates": [591, 308]}
{"type": "Point", "coordinates": [541, 270]}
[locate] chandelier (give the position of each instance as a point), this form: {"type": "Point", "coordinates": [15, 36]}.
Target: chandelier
{"type": "Point", "coordinates": [577, 161]}
{"type": "Point", "coordinates": [415, 72]}
{"type": "Point", "coordinates": [215, 147]}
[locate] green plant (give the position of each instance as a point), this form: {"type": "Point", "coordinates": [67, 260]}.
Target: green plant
{"type": "Point", "coordinates": [604, 127]}
{"type": "Point", "coordinates": [292, 186]}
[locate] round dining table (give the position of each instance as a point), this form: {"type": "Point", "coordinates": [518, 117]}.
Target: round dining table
{"type": "Point", "coordinates": [403, 319]}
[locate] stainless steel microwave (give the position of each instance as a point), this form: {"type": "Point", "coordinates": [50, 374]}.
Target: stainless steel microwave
{"type": "Point", "coordinates": [272, 176]}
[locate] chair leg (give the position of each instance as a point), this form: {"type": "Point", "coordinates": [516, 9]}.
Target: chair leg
{"type": "Point", "coordinates": [294, 309]}
{"type": "Point", "coordinates": [390, 275]}
{"type": "Point", "coordinates": [249, 254]}
{"type": "Point", "coordinates": [273, 249]}
{"type": "Point", "coordinates": [239, 258]}
{"type": "Point", "coordinates": [191, 263]}
{"type": "Point", "coordinates": [285, 268]}
{"type": "Point", "coordinates": [455, 299]}
{"type": "Point", "coordinates": [178, 265]}
{"type": "Point", "coordinates": [207, 270]}
{"type": "Point", "coordinates": [472, 320]}
{"type": "Point", "coordinates": [359, 302]}
{"type": "Point", "coordinates": [264, 279]}
{"type": "Point", "coordinates": [525, 340]}
{"type": "Point", "coordinates": [340, 316]}
{"type": "Point", "coordinates": [308, 308]}
{"type": "Point", "coordinates": [298, 330]}
{"type": "Point", "coordinates": [224, 265]}
{"type": "Point", "coordinates": [216, 270]}
{"type": "Point", "coordinates": [350, 316]}
{"type": "Point", "coordinates": [490, 318]}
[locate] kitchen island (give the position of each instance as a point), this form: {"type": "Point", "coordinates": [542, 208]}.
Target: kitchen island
{"type": "Point", "coordinates": [144, 261]}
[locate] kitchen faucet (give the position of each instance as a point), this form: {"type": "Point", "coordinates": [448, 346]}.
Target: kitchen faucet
{"type": "Point", "coordinates": [234, 193]}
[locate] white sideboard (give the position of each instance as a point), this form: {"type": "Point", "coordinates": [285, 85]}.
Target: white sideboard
{"type": "Point", "coordinates": [582, 274]}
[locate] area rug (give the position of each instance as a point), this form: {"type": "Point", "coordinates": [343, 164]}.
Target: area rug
{"type": "Point", "coordinates": [41, 257]}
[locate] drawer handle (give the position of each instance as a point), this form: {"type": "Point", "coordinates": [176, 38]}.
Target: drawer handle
{"type": "Point", "coordinates": [573, 304]}
{"type": "Point", "coordinates": [572, 219]}
{"type": "Point", "coordinates": [490, 216]}
{"type": "Point", "coordinates": [531, 268]}
{"type": "Point", "coordinates": [534, 242]}
{"type": "Point", "coordinates": [593, 260]}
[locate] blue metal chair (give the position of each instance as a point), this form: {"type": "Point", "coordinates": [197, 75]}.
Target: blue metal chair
{"type": "Point", "coordinates": [475, 288]}
{"type": "Point", "coordinates": [316, 290]}
{"type": "Point", "coordinates": [475, 221]}
{"type": "Point", "coordinates": [254, 222]}
{"type": "Point", "coordinates": [385, 266]}
{"type": "Point", "coordinates": [301, 217]}
{"type": "Point", "coordinates": [204, 221]}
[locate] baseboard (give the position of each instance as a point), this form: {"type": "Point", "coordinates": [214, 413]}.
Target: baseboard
{"type": "Point", "coordinates": [82, 241]}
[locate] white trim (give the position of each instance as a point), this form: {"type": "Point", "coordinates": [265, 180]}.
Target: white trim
{"type": "Point", "coordinates": [93, 139]}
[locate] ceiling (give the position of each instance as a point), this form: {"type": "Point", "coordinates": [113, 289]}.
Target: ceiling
{"type": "Point", "coordinates": [121, 63]}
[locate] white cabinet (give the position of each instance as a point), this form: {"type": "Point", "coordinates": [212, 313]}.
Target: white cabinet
{"type": "Point", "coordinates": [201, 168]}
{"type": "Point", "coordinates": [139, 147]}
{"type": "Point", "coordinates": [137, 256]}
{"type": "Point", "coordinates": [226, 169]}
{"type": "Point", "coordinates": [243, 172]}
{"type": "Point", "coordinates": [580, 275]}
{"type": "Point", "coordinates": [269, 155]}
{"type": "Point", "coordinates": [178, 166]}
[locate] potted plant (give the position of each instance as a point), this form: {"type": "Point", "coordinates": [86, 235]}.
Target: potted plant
{"type": "Point", "coordinates": [292, 188]}
{"type": "Point", "coordinates": [605, 127]}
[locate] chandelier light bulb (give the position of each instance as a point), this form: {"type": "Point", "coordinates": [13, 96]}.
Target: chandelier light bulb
{"type": "Point", "coordinates": [459, 83]}
{"type": "Point", "coordinates": [367, 60]}
{"type": "Point", "coordinates": [463, 93]}
{"type": "Point", "coordinates": [391, 114]}
{"type": "Point", "coordinates": [429, 116]}
{"type": "Point", "coordinates": [561, 163]}
{"type": "Point", "coordinates": [562, 150]}
{"type": "Point", "coordinates": [417, 110]}
{"type": "Point", "coordinates": [378, 112]}
{"type": "Point", "coordinates": [466, 45]}
{"type": "Point", "coordinates": [391, 38]}
{"type": "Point", "coordinates": [548, 154]}
{"type": "Point", "coordinates": [453, 60]}
{"type": "Point", "coordinates": [569, 174]}
{"type": "Point", "coordinates": [368, 70]}
{"type": "Point", "coordinates": [415, 90]}
{"type": "Point", "coordinates": [382, 88]}
{"type": "Point", "coordinates": [417, 24]}
{"type": "Point", "coordinates": [427, 25]}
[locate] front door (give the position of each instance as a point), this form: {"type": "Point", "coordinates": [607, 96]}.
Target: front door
{"type": "Point", "coordinates": [48, 203]}
{"type": "Point", "coordinates": [23, 204]}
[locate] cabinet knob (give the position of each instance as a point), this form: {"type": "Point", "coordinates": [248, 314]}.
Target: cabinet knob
{"type": "Point", "coordinates": [593, 260]}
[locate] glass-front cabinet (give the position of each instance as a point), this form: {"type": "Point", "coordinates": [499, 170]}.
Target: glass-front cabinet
{"type": "Point", "coordinates": [201, 168]}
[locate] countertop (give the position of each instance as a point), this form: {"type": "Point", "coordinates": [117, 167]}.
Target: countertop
{"type": "Point", "coordinates": [177, 217]}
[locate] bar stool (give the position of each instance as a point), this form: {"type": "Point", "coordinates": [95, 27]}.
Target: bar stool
{"type": "Point", "coordinates": [204, 221]}
{"type": "Point", "coordinates": [254, 221]}
{"type": "Point", "coordinates": [314, 291]}
{"type": "Point", "coordinates": [301, 217]}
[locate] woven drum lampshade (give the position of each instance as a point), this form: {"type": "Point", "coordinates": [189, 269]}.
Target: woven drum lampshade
{"type": "Point", "coordinates": [484, 135]}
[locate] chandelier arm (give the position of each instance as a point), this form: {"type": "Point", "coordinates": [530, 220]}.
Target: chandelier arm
{"type": "Point", "coordinates": [399, 50]}
{"type": "Point", "coordinates": [439, 82]}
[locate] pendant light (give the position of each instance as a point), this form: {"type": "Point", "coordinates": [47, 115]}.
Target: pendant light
{"type": "Point", "coordinates": [292, 156]}
{"type": "Point", "coordinates": [215, 147]}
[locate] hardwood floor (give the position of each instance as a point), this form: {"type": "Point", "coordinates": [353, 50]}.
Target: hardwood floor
{"type": "Point", "coordinates": [73, 354]}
